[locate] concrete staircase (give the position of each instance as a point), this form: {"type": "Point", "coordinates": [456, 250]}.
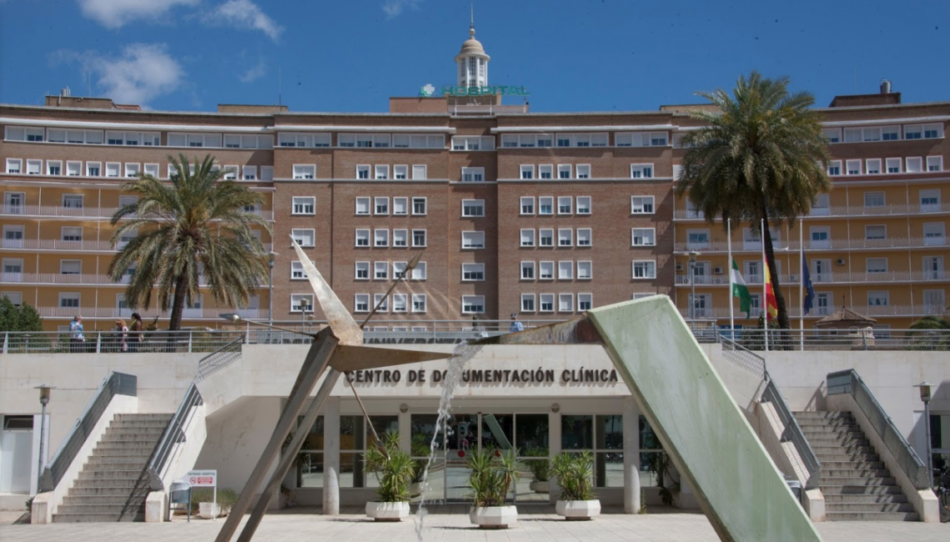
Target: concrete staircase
{"type": "Point", "coordinates": [855, 482]}
{"type": "Point", "coordinates": [112, 485]}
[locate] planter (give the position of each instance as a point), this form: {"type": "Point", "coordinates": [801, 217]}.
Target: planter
{"type": "Point", "coordinates": [578, 510]}
{"type": "Point", "coordinates": [387, 511]}
{"type": "Point", "coordinates": [540, 487]}
{"type": "Point", "coordinates": [493, 517]}
{"type": "Point", "coordinates": [208, 510]}
{"type": "Point", "coordinates": [415, 489]}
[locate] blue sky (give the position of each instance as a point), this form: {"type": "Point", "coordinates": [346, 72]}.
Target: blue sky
{"type": "Point", "coordinates": [598, 55]}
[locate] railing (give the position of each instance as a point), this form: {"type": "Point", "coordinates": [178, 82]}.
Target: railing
{"type": "Point", "coordinates": [73, 246]}
{"type": "Point", "coordinates": [81, 212]}
{"type": "Point", "coordinates": [843, 211]}
{"type": "Point", "coordinates": [173, 435]}
{"type": "Point", "coordinates": [742, 357]}
{"type": "Point", "coordinates": [832, 339]}
{"type": "Point", "coordinates": [126, 313]}
{"type": "Point", "coordinates": [849, 381]}
{"type": "Point", "coordinates": [819, 312]}
{"type": "Point", "coordinates": [793, 432]}
{"type": "Point", "coordinates": [105, 342]}
{"type": "Point", "coordinates": [112, 385]}
{"type": "Point", "coordinates": [839, 277]}
{"type": "Point", "coordinates": [219, 359]}
{"type": "Point", "coordinates": [830, 244]}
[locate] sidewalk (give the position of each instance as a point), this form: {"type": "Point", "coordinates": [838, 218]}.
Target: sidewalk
{"type": "Point", "coordinates": [451, 523]}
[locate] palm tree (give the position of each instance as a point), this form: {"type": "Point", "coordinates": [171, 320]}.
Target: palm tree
{"type": "Point", "coordinates": [194, 227]}
{"type": "Point", "coordinates": [761, 156]}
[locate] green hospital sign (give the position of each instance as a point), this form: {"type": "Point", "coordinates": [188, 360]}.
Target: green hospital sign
{"type": "Point", "coordinates": [429, 91]}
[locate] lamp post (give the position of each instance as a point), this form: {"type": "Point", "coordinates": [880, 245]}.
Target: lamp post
{"type": "Point", "coordinates": [692, 287]}
{"type": "Point", "coordinates": [925, 397]}
{"type": "Point", "coordinates": [44, 400]}
{"type": "Point", "coordinates": [303, 314]}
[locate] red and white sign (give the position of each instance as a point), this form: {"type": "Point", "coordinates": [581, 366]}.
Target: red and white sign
{"type": "Point", "coordinates": [202, 478]}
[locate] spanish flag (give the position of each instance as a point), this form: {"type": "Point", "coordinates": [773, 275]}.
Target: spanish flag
{"type": "Point", "coordinates": [771, 306]}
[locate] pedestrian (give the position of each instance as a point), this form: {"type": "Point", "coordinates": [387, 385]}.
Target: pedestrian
{"type": "Point", "coordinates": [76, 337]}
{"type": "Point", "coordinates": [137, 336]}
{"type": "Point", "coordinates": [515, 324]}
{"type": "Point", "coordinates": [122, 335]}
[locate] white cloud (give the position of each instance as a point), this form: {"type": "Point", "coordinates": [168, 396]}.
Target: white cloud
{"type": "Point", "coordinates": [140, 74]}
{"type": "Point", "coordinates": [243, 14]}
{"type": "Point", "coordinates": [394, 8]}
{"type": "Point", "coordinates": [254, 72]}
{"type": "Point", "coordinates": [116, 13]}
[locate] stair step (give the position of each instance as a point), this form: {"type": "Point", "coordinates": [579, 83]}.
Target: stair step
{"type": "Point", "coordinates": [114, 501]}
{"type": "Point", "coordinates": [854, 481]}
{"type": "Point", "coordinates": [831, 440]}
{"type": "Point", "coordinates": [825, 430]}
{"type": "Point", "coordinates": [852, 498]}
{"type": "Point", "coordinates": [823, 414]}
{"type": "Point", "coordinates": [122, 461]}
{"type": "Point", "coordinates": [843, 449]}
{"type": "Point", "coordinates": [829, 490]}
{"type": "Point", "coordinates": [141, 422]}
{"type": "Point", "coordinates": [153, 416]}
{"type": "Point", "coordinates": [126, 447]}
{"type": "Point", "coordinates": [852, 465]}
{"type": "Point", "coordinates": [872, 516]}
{"type": "Point", "coordinates": [123, 483]}
{"type": "Point", "coordinates": [103, 509]}
{"type": "Point", "coordinates": [860, 507]}
{"type": "Point", "coordinates": [110, 474]}
{"type": "Point", "coordinates": [132, 438]}
{"type": "Point", "coordinates": [97, 518]}
{"type": "Point", "coordinates": [122, 492]}
{"type": "Point", "coordinates": [854, 473]}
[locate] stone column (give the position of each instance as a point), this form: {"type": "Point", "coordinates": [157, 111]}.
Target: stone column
{"type": "Point", "coordinates": [405, 432]}
{"type": "Point", "coordinates": [554, 444]}
{"type": "Point", "coordinates": [331, 457]}
{"type": "Point", "coordinates": [631, 456]}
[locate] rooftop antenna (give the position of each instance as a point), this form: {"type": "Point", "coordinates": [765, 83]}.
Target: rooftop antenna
{"type": "Point", "coordinates": [471, 26]}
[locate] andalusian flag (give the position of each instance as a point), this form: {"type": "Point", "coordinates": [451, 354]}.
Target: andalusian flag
{"type": "Point", "coordinates": [740, 290]}
{"type": "Point", "coordinates": [771, 306]}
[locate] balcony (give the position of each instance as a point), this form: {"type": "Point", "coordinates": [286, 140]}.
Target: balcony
{"type": "Point", "coordinates": [842, 211]}
{"type": "Point", "coordinates": [874, 311]}
{"type": "Point", "coordinates": [829, 244]}
{"type": "Point", "coordinates": [106, 313]}
{"type": "Point", "coordinates": [69, 278]}
{"type": "Point", "coordinates": [58, 211]}
{"type": "Point", "coordinates": [840, 277]}
{"type": "Point", "coordinates": [55, 245]}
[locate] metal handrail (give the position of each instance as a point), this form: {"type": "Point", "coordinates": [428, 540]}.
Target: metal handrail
{"type": "Point", "coordinates": [219, 359]}
{"type": "Point", "coordinates": [849, 381]}
{"type": "Point", "coordinates": [112, 385]}
{"type": "Point", "coordinates": [743, 357]}
{"type": "Point", "coordinates": [791, 431]}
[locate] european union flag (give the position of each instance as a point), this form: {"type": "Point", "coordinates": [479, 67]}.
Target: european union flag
{"type": "Point", "coordinates": [806, 283]}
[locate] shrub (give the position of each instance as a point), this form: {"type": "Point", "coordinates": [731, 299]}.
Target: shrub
{"type": "Point", "coordinates": [394, 469]}
{"type": "Point", "coordinates": [575, 473]}
{"type": "Point", "coordinates": [540, 468]}
{"type": "Point", "coordinates": [492, 475]}
{"type": "Point", "coordinates": [226, 497]}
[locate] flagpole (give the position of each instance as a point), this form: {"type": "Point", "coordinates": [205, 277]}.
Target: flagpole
{"type": "Point", "coordinates": [732, 317]}
{"type": "Point", "coordinates": [801, 285]}
{"type": "Point", "coordinates": [764, 305]}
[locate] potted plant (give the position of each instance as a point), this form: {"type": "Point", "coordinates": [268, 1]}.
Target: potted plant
{"type": "Point", "coordinates": [493, 473]}
{"type": "Point", "coordinates": [574, 472]}
{"type": "Point", "coordinates": [394, 469]}
{"type": "Point", "coordinates": [203, 502]}
{"type": "Point", "coordinates": [540, 469]}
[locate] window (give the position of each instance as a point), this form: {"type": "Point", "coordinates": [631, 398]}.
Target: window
{"type": "Point", "coordinates": [643, 237]}
{"type": "Point", "coordinates": [380, 270]}
{"type": "Point", "coordinates": [296, 271]}
{"type": "Point", "coordinates": [400, 206]}
{"type": "Point", "coordinates": [833, 135]}
{"type": "Point", "coordinates": [934, 234]}
{"type": "Point", "coordinates": [564, 171]}
{"type": "Point", "coordinates": [303, 205]}
{"type": "Point", "coordinates": [585, 270]}
{"type": "Point", "coordinates": [416, 141]}
{"type": "Point", "coordinates": [527, 172]}
{"type": "Point", "coordinates": [267, 173]}
{"type": "Point", "coordinates": [381, 238]}
{"type": "Point", "coordinates": [641, 205]}
{"type": "Point", "coordinates": [546, 171]}
{"type": "Point", "coordinates": [361, 303]}
{"type": "Point", "coordinates": [473, 272]}
{"type": "Point", "coordinates": [547, 302]}
{"type": "Point", "coordinates": [473, 143]}
{"type": "Point", "coordinates": [14, 165]}
{"type": "Point", "coordinates": [565, 237]}
{"type": "Point", "coordinates": [527, 237]}
{"type": "Point", "coordinates": [400, 303]}
{"type": "Point", "coordinates": [853, 167]}
{"type": "Point", "coordinates": [69, 300]}
{"type": "Point", "coordinates": [305, 171]}
{"type": "Point", "coordinates": [362, 271]}
{"type": "Point", "coordinates": [527, 270]}
{"type": "Point", "coordinates": [915, 164]}
{"type": "Point", "coordinates": [418, 238]}
{"type": "Point", "coordinates": [400, 173]}
{"type": "Point", "coordinates": [583, 171]}
{"type": "Point", "coordinates": [527, 303]}
{"type": "Point", "coordinates": [418, 206]}
{"type": "Point", "coordinates": [641, 171]}
{"type": "Point", "coordinates": [151, 170]}
{"type": "Point", "coordinates": [546, 270]}
{"type": "Point", "coordinates": [878, 299]}
{"type": "Point", "coordinates": [401, 238]}
{"type": "Point", "coordinates": [382, 172]}
{"type": "Point", "coordinates": [362, 172]}
{"type": "Point", "coordinates": [565, 205]}
{"type": "Point", "coordinates": [890, 133]}
{"type": "Point", "coordinates": [54, 167]}
{"type": "Point", "coordinates": [893, 165]}
{"type": "Point", "coordinates": [877, 265]}
{"type": "Point", "coordinates": [13, 203]}
{"type": "Point", "coordinates": [362, 238]}
{"type": "Point", "coordinates": [585, 302]}
{"type": "Point", "coordinates": [419, 272]}
{"type": "Point", "coordinates": [583, 205]}
{"type": "Point", "coordinates": [286, 139]}
{"type": "Point", "coordinates": [70, 267]}
{"type": "Point", "coordinates": [473, 207]}
{"type": "Point", "coordinates": [820, 237]}
{"type": "Point", "coordinates": [362, 205]}
{"type": "Point", "coordinates": [473, 304]}
{"type": "Point", "coordinates": [933, 131]}
{"type": "Point", "coordinates": [584, 237]}
{"type": "Point", "coordinates": [930, 200]}
{"type": "Point", "coordinates": [13, 236]}
{"type": "Point", "coordinates": [545, 205]}
{"type": "Point", "coordinates": [230, 172]}
{"type": "Point", "coordinates": [697, 239]}
{"type": "Point", "coordinates": [71, 234]}
{"type": "Point", "coordinates": [381, 206]}
{"type": "Point", "coordinates": [527, 206]}
{"type": "Point", "coordinates": [641, 139]}
{"type": "Point", "coordinates": [875, 232]}
{"type": "Point", "coordinates": [249, 173]}
{"type": "Point", "coordinates": [72, 201]}
{"type": "Point", "coordinates": [12, 270]}
{"type": "Point", "coordinates": [546, 237]}
{"type": "Point", "coordinates": [935, 163]}
{"type": "Point", "coordinates": [644, 269]}
{"type": "Point", "coordinates": [419, 302]}
{"type": "Point", "coordinates": [473, 239]}
{"type": "Point", "coordinates": [565, 302]}
{"type": "Point", "coordinates": [16, 298]}
{"type": "Point", "coordinates": [874, 199]}
{"type": "Point", "coordinates": [874, 166]}
{"type": "Point", "coordinates": [419, 172]}
{"type": "Point", "coordinates": [304, 237]}
{"type": "Point", "coordinates": [834, 167]}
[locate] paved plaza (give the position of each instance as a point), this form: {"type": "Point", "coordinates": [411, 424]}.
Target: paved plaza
{"type": "Point", "coordinates": [450, 524]}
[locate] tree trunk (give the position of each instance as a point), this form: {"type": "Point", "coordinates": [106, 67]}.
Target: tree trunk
{"type": "Point", "coordinates": [776, 287]}
{"type": "Point", "coordinates": [178, 305]}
